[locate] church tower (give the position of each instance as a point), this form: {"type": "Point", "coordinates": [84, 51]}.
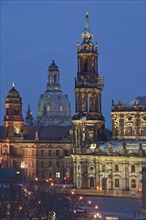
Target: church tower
{"type": "Point", "coordinates": [88, 121]}
{"type": "Point", "coordinates": [13, 120]}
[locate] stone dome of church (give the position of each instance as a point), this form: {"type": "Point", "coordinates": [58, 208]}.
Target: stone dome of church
{"type": "Point", "coordinates": [53, 106]}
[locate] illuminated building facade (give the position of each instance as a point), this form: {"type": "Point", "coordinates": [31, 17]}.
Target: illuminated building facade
{"type": "Point", "coordinates": [88, 121]}
{"type": "Point", "coordinates": [129, 121]}
{"type": "Point", "coordinates": [39, 149]}
{"type": "Point", "coordinates": [114, 165]}
{"type": "Point", "coordinates": [52, 147]}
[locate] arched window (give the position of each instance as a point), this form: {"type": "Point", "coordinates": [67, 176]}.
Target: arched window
{"type": "Point", "coordinates": [91, 181]}
{"type": "Point", "coordinates": [16, 111]}
{"type": "Point", "coordinates": [132, 168]}
{"type": "Point", "coordinates": [55, 78]}
{"type": "Point", "coordinates": [61, 108]}
{"type": "Point", "coordinates": [88, 103]}
{"type": "Point", "coordinates": [48, 108]}
{"type": "Point", "coordinates": [103, 168]}
{"type": "Point", "coordinates": [116, 168]}
{"type": "Point", "coordinates": [85, 65]}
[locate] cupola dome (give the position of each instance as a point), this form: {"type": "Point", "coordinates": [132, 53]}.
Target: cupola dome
{"type": "Point", "coordinates": [53, 106]}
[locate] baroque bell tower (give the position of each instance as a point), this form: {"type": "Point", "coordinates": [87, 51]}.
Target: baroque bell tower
{"type": "Point", "coordinates": [13, 119]}
{"type": "Point", "coordinates": [88, 121]}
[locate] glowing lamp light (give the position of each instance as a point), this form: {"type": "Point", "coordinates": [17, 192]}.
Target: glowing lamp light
{"type": "Point", "coordinates": [52, 184]}
{"type": "Point", "coordinates": [96, 207]}
{"type": "Point", "coordinates": [39, 202]}
{"type": "Point", "coordinates": [97, 188]}
{"type": "Point", "coordinates": [80, 198]}
{"type": "Point", "coordinates": [20, 208]}
{"type": "Point", "coordinates": [89, 202]}
{"type": "Point", "coordinates": [36, 179]}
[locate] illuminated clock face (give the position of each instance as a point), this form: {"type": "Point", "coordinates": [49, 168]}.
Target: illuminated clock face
{"type": "Point", "coordinates": [17, 130]}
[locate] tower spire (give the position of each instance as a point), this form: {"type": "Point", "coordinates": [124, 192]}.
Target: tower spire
{"type": "Point", "coordinates": [87, 19]}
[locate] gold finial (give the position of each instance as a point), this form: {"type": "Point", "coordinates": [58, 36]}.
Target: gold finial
{"type": "Point", "coordinates": [13, 85]}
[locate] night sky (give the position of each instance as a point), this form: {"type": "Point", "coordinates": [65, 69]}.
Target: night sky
{"type": "Point", "coordinates": [32, 32]}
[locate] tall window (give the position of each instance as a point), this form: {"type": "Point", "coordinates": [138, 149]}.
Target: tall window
{"type": "Point", "coordinates": [85, 65]}
{"type": "Point", "coordinates": [99, 103]}
{"type": "Point", "coordinates": [55, 78]}
{"type": "Point", "coordinates": [116, 168]}
{"type": "Point", "coordinates": [133, 169]}
{"type": "Point", "coordinates": [61, 108]}
{"type": "Point", "coordinates": [117, 183]}
{"type": "Point", "coordinates": [91, 181]}
{"type": "Point", "coordinates": [48, 108]}
{"type": "Point", "coordinates": [50, 163]}
{"type": "Point", "coordinates": [65, 152]}
{"type": "Point", "coordinates": [57, 153]}
{"type": "Point", "coordinates": [103, 167]}
{"type": "Point", "coordinates": [133, 183]}
{"type": "Point", "coordinates": [57, 164]}
{"type": "Point", "coordinates": [88, 103]}
{"type": "Point", "coordinates": [49, 153]}
{"type": "Point", "coordinates": [16, 111]}
{"type": "Point", "coordinates": [42, 153]}
{"type": "Point", "coordinates": [129, 131]}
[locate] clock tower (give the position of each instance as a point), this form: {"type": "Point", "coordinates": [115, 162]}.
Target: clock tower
{"type": "Point", "coordinates": [88, 121]}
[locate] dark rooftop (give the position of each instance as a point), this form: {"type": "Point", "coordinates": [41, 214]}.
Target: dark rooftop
{"type": "Point", "coordinates": [46, 132]}
{"type": "Point", "coordinates": [141, 101]}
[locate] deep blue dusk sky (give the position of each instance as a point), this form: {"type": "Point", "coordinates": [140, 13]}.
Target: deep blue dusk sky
{"type": "Point", "coordinates": [34, 31]}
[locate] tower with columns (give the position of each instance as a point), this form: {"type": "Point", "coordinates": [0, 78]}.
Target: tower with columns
{"type": "Point", "coordinates": [88, 121]}
{"type": "Point", "coordinates": [13, 119]}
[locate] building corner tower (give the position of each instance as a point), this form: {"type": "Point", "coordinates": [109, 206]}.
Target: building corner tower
{"type": "Point", "coordinates": [13, 119]}
{"type": "Point", "coordinates": [88, 121]}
